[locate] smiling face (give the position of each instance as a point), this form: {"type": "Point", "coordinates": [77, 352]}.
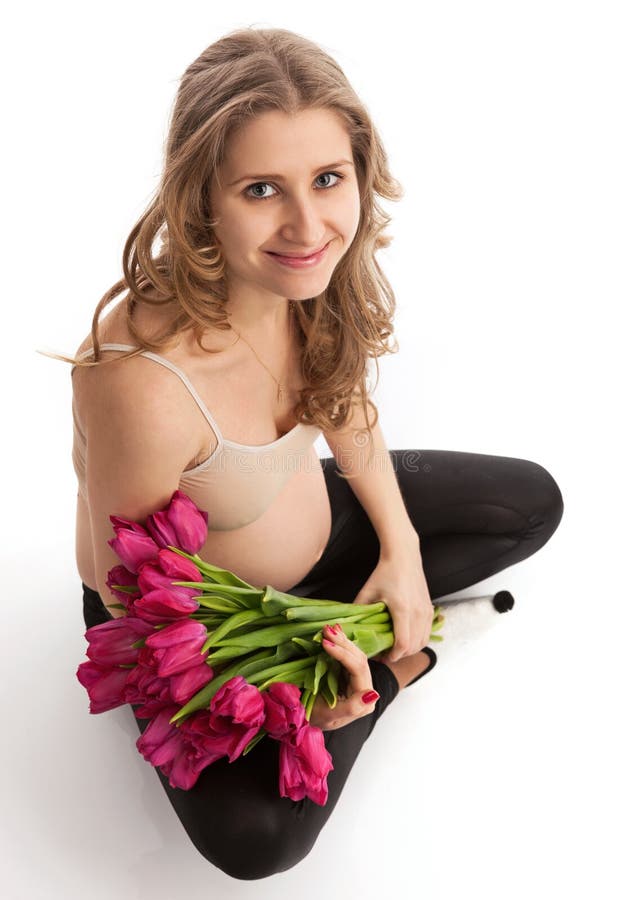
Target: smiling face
{"type": "Point", "coordinates": [288, 186]}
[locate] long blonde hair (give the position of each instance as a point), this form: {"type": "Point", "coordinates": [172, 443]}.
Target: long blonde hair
{"type": "Point", "coordinates": [248, 72]}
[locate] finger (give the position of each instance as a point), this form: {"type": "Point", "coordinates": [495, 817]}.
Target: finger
{"type": "Point", "coordinates": [428, 628]}
{"type": "Point", "coordinates": [402, 630]}
{"type": "Point", "coordinates": [344, 712]}
{"type": "Point", "coordinates": [345, 651]}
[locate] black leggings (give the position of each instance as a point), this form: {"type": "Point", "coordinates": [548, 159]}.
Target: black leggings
{"type": "Point", "coordinates": [476, 515]}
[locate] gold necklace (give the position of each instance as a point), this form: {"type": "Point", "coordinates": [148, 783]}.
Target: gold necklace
{"type": "Point", "coordinates": [281, 390]}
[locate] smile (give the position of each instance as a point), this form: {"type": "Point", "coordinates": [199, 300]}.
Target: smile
{"type": "Point", "coordinates": [303, 262]}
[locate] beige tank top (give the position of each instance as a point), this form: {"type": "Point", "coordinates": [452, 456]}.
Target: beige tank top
{"type": "Point", "coordinates": [237, 483]}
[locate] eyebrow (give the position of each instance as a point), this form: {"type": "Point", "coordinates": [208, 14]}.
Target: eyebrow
{"type": "Point", "coordinates": [334, 165]}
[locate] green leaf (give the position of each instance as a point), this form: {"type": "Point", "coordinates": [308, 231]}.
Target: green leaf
{"type": "Point", "coordinates": [310, 646]}
{"type": "Point", "coordinates": [338, 612]}
{"type": "Point", "coordinates": [284, 671]}
{"type": "Point", "coordinates": [321, 667]}
{"type": "Point", "coordinates": [221, 576]}
{"type": "Point", "coordinates": [125, 589]}
{"type": "Point", "coordinates": [274, 602]}
{"type": "Point", "coordinates": [270, 637]}
{"type": "Point", "coordinates": [308, 704]}
{"type": "Point", "coordinates": [217, 603]}
{"type": "Point", "coordinates": [230, 624]}
{"type": "Point", "coordinates": [255, 740]}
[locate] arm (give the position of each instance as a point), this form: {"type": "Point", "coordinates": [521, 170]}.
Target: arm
{"type": "Point", "coordinates": [399, 578]}
{"type": "Point", "coordinates": [375, 485]}
{"type": "Point", "coordinates": [136, 452]}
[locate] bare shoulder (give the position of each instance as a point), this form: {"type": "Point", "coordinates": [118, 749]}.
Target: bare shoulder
{"type": "Point", "coordinates": [136, 393]}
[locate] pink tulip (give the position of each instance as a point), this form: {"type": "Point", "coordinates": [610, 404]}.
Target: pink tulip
{"type": "Point", "coordinates": [110, 643]}
{"type": "Point", "coordinates": [210, 742]}
{"type": "Point", "coordinates": [145, 687]}
{"type": "Point", "coordinates": [105, 685]}
{"type": "Point", "coordinates": [284, 713]}
{"type": "Point", "coordinates": [184, 770]}
{"type": "Point", "coordinates": [181, 524]}
{"type": "Point", "coordinates": [169, 747]}
{"type": "Point", "coordinates": [177, 646]}
{"type": "Point", "coordinates": [185, 684]}
{"type": "Point", "coordinates": [167, 568]}
{"type": "Point", "coordinates": [163, 605]}
{"type": "Point", "coordinates": [214, 738]}
{"type": "Point", "coordinates": [237, 712]}
{"type": "Point", "coordinates": [304, 764]}
{"type": "Point", "coordinates": [160, 741]}
{"type": "Point", "coordinates": [122, 576]}
{"type": "Point", "coordinates": [132, 543]}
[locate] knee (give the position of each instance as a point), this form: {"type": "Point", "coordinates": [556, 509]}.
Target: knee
{"type": "Point", "coordinates": [253, 849]}
{"type": "Point", "coordinates": [549, 504]}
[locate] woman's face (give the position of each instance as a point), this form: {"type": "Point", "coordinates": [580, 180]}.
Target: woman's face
{"type": "Point", "coordinates": [288, 186]}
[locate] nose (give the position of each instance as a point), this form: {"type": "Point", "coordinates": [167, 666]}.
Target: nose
{"type": "Point", "coordinates": [303, 222]}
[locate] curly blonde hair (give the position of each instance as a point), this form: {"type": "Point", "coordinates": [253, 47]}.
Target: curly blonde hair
{"type": "Point", "coordinates": [242, 75]}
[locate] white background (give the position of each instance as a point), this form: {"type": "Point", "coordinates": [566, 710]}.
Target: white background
{"type": "Point", "coordinates": [501, 774]}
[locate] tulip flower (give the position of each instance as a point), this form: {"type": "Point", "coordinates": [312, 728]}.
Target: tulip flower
{"type": "Point", "coordinates": [132, 543]}
{"type": "Point", "coordinates": [120, 576]}
{"type": "Point", "coordinates": [284, 713]}
{"type": "Point", "coordinates": [105, 685]}
{"type": "Point", "coordinates": [163, 605]}
{"type": "Point", "coordinates": [166, 569]}
{"type": "Point", "coordinates": [160, 742]}
{"type": "Point", "coordinates": [185, 684]}
{"type": "Point", "coordinates": [174, 750]}
{"type": "Point", "coordinates": [180, 524]}
{"type": "Point", "coordinates": [211, 737]}
{"type": "Point", "coordinates": [177, 646]}
{"type": "Point", "coordinates": [111, 643]}
{"type": "Point", "coordinates": [145, 687]}
{"type": "Point", "coordinates": [303, 766]}
{"type": "Point", "coordinates": [237, 711]}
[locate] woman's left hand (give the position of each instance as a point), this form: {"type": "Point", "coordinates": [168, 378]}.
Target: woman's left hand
{"type": "Point", "coordinates": [399, 581]}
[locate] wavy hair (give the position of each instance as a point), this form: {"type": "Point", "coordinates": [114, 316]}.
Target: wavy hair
{"type": "Point", "coordinates": [245, 73]}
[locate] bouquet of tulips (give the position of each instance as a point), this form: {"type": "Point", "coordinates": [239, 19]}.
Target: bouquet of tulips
{"type": "Point", "coordinates": [215, 663]}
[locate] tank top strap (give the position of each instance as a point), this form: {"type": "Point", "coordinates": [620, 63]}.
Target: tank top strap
{"type": "Point", "coordinates": [169, 365]}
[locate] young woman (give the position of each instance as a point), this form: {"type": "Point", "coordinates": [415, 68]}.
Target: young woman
{"type": "Point", "coordinates": [241, 341]}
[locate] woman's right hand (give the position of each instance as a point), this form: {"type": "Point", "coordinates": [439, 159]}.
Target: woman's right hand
{"type": "Point", "coordinates": [351, 706]}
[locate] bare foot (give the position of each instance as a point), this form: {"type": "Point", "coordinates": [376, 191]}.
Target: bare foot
{"type": "Point", "coordinates": [409, 667]}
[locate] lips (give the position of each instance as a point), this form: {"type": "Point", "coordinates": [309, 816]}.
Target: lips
{"type": "Point", "coordinates": [299, 255]}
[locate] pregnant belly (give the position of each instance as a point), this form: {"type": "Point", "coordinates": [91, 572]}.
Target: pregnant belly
{"type": "Point", "coordinates": [279, 548]}
{"type": "Point", "coordinates": [283, 544]}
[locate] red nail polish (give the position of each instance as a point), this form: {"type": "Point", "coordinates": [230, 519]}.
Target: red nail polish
{"type": "Point", "coordinates": [370, 697]}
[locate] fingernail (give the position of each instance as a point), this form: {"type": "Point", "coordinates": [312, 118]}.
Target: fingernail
{"type": "Point", "coordinates": [370, 697]}
{"type": "Point", "coordinates": [332, 628]}
{"type": "Point", "coordinates": [327, 642]}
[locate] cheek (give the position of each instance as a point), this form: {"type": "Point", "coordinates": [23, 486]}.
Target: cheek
{"type": "Point", "coordinates": [349, 214]}
{"type": "Point", "coordinates": [350, 221]}
{"type": "Point", "coordinates": [239, 231]}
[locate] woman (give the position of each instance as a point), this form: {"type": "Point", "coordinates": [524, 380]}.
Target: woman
{"type": "Point", "coordinates": [224, 362]}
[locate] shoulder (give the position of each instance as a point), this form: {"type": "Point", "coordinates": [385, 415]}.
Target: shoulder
{"type": "Point", "coordinates": [131, 395]}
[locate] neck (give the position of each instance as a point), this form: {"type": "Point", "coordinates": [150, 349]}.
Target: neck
{"type": "Point", "coordinates": [268, 330]}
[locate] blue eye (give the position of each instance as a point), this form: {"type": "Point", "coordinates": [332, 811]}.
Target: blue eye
{"type": "Point", "coordinates": [269, 196]}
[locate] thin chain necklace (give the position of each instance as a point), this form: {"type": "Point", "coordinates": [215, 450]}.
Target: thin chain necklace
{"type": "Point", "coordinates": [281, 389]}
